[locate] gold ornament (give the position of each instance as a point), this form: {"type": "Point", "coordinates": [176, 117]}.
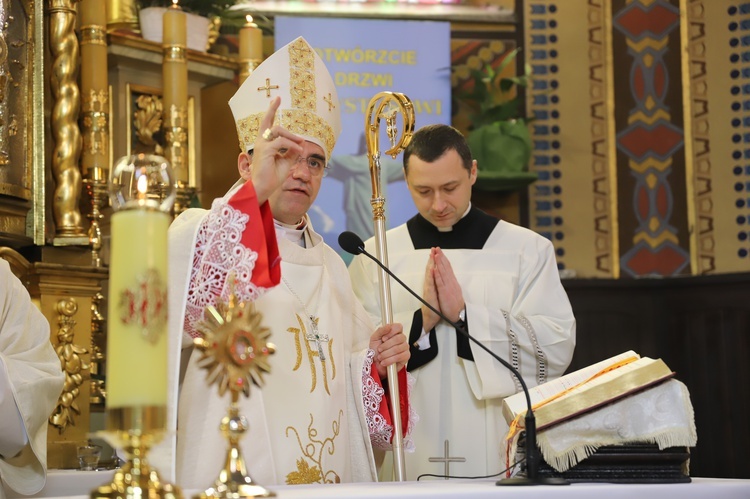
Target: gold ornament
{"type": "Point", "coordinates": [234, 351]}
{"type": "Point", "coordinates": [234, 347]}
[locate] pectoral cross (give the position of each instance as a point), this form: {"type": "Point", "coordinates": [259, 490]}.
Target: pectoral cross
{"type": "Point", "coordinates": [447, 460]}
{"type": "Point", "coordinates": [317, 337]}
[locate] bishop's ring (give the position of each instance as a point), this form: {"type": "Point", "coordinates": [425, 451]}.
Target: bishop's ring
{"type": "Point", "coordinates": [268, 134]}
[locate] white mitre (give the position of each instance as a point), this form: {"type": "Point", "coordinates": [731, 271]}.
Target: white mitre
{"type": "Point", "coordinates": [309, 103]}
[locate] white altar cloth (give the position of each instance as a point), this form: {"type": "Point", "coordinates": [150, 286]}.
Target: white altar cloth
{"type": "Point", "coordinates": [78, 484]}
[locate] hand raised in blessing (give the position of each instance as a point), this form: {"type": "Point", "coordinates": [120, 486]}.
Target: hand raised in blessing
{"type": "Point", "coordinates": [275, 152]}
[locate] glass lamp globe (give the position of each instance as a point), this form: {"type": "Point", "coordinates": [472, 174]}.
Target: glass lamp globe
{"type": "Point", "coordinates": [144, 181]}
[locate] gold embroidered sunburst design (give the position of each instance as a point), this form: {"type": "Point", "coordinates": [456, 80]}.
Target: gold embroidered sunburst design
{"type": "Point", "coordinates": [234, 347]}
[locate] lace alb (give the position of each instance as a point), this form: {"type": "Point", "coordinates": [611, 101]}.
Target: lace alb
{"type": "Point", "coordinates": [218, 252]}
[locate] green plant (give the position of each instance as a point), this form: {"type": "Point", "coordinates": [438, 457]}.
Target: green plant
{"type": "Point", "coordinates": [499, 136]}
{"type": "Point", "coordinates": [495, 97]}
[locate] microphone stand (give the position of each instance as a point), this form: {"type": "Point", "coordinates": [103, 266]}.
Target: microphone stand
{"type": "Point", "coordinates": [356, 246]}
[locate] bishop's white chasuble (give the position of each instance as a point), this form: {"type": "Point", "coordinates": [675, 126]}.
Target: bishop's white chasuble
{"type": "Point", "coordinates": [320, 410]}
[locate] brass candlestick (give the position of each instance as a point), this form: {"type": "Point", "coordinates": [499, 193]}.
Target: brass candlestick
{"type": "Point", "coordinates": [136, 479]}
{"type": "Point", "coordinates": [234, 351]}
{"type": "Point", "coordinates": [185, 194]}
{"type": "Point", "coordinates": [137, 345]}
{"type": "Point", "coordinates": [96, 188]}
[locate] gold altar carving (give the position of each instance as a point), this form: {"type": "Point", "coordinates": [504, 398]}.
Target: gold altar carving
{"type": "Point", "coordinates": [65, 133]}
{"type": "Point", "coordinates": [72, 359]}
{"type": "Point", "coordinates": [176, 136]}
{"type": "Point", "coordinates": [55, 286]}
{"type": "Point", "coordinates": [96, 188]}
{"type": "Point", "coordinates": [21, 120]}
{"type": "Point", "coordinates": [154, 131]}
{"type": "Point", "coordinates": [64, 294]}
{"type": "Point", "coordinates": [176, 131]}
{"type": "Point", "coordinates": [147, 120]}
{"type": "Point", "coordinates": [98, 347]}
{"type": "Point", "coordinates": [147, 129]}
{"type": "Point", "coordinates": [94, 109]}
{"type": "Point", "coordinates": [16, 58]}
{"type": "Point", "coordinates": [5, 121]}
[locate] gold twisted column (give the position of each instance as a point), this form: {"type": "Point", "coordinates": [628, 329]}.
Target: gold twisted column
{"type": "Point", "coordinates": [94, 116]}
{"type": "Point", "coordinates": [65, 133]}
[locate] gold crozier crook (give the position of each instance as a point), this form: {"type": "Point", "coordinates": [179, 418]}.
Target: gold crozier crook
{"type": "Point", "coordinates": [387, 106]}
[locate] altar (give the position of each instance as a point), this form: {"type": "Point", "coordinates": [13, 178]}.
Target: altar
{"type": "Point", "coordinates": [71, 484]}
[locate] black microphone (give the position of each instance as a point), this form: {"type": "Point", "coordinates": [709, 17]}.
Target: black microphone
{"type": "Point", "coordinates": [352, 243]}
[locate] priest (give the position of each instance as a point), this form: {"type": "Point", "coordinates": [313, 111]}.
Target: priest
{"type": "Point", "coordinates": [323, 408]}
{"type": "Point", "coordinates": [31, 381]}
{"type": "Point", "coordinates": [500, 281]}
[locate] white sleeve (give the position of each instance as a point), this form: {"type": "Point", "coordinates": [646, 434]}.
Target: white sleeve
{"type": "Point", "coordinates": [32, 370]}
{"type": "Point", "coordinates": [13, 436]}
{"type": "Point", "coordinates": [423, 343]}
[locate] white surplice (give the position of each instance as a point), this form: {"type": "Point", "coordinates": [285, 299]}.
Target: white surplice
{"type": "Point", "coordinates": [515, 306]}
{"type": "Point", "coordinates": [32, 381]}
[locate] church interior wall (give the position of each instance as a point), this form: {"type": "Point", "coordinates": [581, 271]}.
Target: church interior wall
{"type": "Point", "coordinates": [642, 152]}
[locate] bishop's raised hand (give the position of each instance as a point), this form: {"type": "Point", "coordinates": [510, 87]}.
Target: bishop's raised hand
{"type": "Point", "coordinates": [275, 152]}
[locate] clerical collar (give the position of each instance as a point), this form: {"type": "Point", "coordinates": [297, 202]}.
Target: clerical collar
{"type": "Point", "coordinates": [470, 232]}
{"type": "Point", "coordinates": [448, 229]}
{"type": "Point", "coordinates": [292, 232]}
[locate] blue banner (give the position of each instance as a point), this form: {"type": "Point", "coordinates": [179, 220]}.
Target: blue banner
{"type": "Point", "coordinates": [366, 57]}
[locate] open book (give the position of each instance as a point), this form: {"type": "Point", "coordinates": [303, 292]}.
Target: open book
{"type": "Point", "coordinates": [584, 390]}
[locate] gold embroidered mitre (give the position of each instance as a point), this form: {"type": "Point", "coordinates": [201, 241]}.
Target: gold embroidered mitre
{"type": "Point", "coordinates": [309, 104]}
